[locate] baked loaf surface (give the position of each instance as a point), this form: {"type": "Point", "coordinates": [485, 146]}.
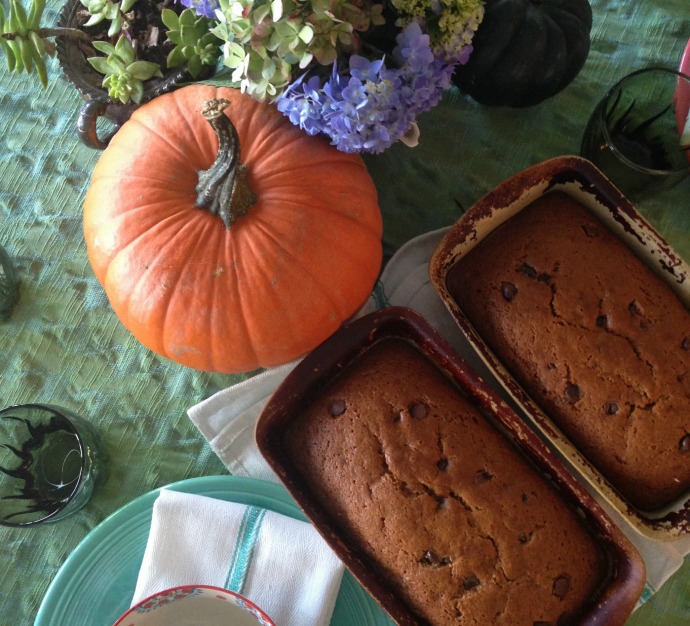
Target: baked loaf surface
{"type": "Point", "coordinates": [450, 514]}
{"type": "Point", "coordinates": [600, 342]}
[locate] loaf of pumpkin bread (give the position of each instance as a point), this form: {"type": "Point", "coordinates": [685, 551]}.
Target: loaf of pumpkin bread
{"type": "Point", "coordinates": [598, 340]}
{"type": "Point", "coordinates": [441, 505]}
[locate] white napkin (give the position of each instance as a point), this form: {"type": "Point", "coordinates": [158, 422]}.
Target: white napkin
{"type": "Point", "coordinates": [279, 563]}
{"type": "Point", "coordinates": [227, 419]}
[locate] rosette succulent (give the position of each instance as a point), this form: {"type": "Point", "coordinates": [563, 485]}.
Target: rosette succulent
{"type": "Point", "coordinates": [124, 74]}
{"type": "Point", "coordinates": [195, 44]}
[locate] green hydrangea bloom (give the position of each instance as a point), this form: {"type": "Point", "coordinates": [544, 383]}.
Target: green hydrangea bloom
{"type": "Point", "coordinates": [266, 41]}
{"type": "Point", "coordinates": [451, 24]}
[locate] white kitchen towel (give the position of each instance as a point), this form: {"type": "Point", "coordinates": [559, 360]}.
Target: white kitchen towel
{"type": "Point", "coordinates": [279, 563]}
{"type": "Point", "coordinates": [227, 418]}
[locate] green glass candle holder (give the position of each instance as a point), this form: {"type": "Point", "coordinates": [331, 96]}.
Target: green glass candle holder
{"type": "Point", "coordinates": [637, 134]}
{"type": "Point", "coordinates": [9, 285]}
{"type": "Point", "coordinates": [50, 462]}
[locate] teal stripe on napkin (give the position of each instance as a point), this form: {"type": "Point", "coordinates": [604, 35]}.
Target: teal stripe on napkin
{"type": "Point", "coordinates": [647, 593]}
{"type": "Point", "coordinates": [244, 548]}
{"type": "Point", "coordinates": [379, 296]}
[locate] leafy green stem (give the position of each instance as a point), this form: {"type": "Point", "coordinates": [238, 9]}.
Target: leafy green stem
{"type": "Point", "coordinates": [56, 31]}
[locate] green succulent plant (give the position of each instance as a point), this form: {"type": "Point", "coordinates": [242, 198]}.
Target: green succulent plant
{"type": "Point", "coordinates": [25, 43]}
{"type": "Point", "coordinates": [124, 75]}
{"type": "Point", "coordinates": [100, 10]}
{"type": "Point", "coordinates": [195, 44]}
{"type": "Point", "coordinates": [20, 42]}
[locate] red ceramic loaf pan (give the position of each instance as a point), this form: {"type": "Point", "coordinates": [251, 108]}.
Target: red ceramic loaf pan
{"type": "Point", "coordinates": [623, 581]}
{"type": "Point", "coordinates": [584, 182]}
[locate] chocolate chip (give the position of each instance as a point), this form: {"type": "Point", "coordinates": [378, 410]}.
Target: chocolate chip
{"type": "Point", "coordinates": [590, 229]}
{"type": "Point", "coordinates": [611, 407]}
{"type": "Point", "coordinates": [470, 582]}
{"type": "Point", "coordinates": [685, 344]}
{"type": "Point", "coordinates": [527, 270]}
{"type": "Point", "coordinates": [482, 476]}
{"type": "Point", "coordinates": [508, 290]}
{"type": "Point", "coordinates": [418, 410]}
{"type": "Point", "coordinates": [564, 619]}
{"type": "Point", "coordinates": [684, 444]}
{"type": "Point", "coordinates": [443, 464]}
{"type": "Point", "coordinates": [524, 537]}
{"type": "Point", "coordinates": [603, 321]}
{"type": "Point", "coordinates": [429, 558]}
{"type": "Point", "coordinates": [551, 366]}
{"type": "Point", "coordinates": [572, 393]}
{"type": "Point", "coordinates": [561, 586]}
{"type": "Point", "coordinates": [337, 407]}
{"type": "Point", "coordinates": [635, 308]}
{"type": "Point", "coordinates": [441, 502]}
{"type": "Point", "coordinates": [408, 492]}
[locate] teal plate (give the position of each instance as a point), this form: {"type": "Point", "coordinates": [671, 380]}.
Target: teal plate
{"type": "Point", "coordinates": [96, 583]}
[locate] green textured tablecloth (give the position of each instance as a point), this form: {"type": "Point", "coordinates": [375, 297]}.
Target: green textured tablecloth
{"type": "Point", "coordinates": [64, 345]}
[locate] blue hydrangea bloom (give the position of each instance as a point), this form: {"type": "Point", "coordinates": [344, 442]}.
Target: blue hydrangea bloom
{"type": "Point", "coordinates": [369, 106]}
{"type": "Point", "coordinates": [207, 8]}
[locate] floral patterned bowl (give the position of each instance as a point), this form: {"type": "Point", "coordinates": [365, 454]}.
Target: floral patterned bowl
{"type": "Point", "coordinates": [195, 604]}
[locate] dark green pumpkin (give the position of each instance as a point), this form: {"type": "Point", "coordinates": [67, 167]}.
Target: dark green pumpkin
{"type": "Point", "coordinates": [526, 51]}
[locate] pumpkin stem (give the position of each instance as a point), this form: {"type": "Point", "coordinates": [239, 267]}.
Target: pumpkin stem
{"type": "Point", "coordinates": [223, 189]}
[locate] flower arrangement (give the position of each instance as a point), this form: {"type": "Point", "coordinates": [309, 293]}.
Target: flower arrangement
{"type": "Point", "coordinates": [358, 71]}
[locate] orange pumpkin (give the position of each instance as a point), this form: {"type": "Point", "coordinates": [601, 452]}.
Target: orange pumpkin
{"type": "Point", "coordinates": [204, 291]}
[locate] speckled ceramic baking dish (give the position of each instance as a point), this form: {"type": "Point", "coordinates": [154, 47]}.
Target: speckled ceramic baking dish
{"type": "Point", "coordinates": [578, 178]}
{"type": "Point", "coordinates": [405, 461]}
